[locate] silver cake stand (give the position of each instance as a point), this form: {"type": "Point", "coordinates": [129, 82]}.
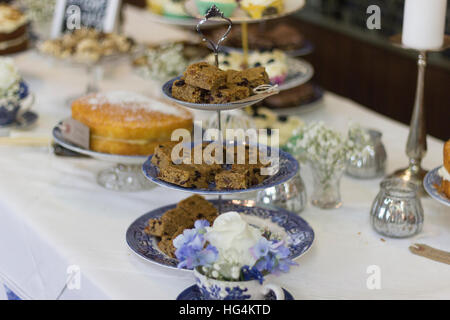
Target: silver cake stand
{"type": "Point", "coordinates": [213, 13]}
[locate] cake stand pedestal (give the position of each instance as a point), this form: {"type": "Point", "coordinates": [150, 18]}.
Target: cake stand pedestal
{"type": "Point", "coordinates": [416, 146]}
{"type": "Point", "coordinates": [126, 175]}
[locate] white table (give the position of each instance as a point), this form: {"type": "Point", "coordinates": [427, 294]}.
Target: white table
{"type": "Point", "coordinates": [53, 214]}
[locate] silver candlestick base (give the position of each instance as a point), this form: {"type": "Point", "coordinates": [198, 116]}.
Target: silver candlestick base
{"type": "Point", "coordinates": [416, 146]}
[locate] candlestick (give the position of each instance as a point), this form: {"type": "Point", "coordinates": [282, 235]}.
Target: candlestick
{"type": "Point", "coordinates": [424, 24]}
{"type": "Point", "coordinates": [416, 146]}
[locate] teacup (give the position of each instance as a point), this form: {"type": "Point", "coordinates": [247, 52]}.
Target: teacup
{"type": "Point", "coordinates": [213, 289]}
{"type": "Point", "coordinates": [12, 108]}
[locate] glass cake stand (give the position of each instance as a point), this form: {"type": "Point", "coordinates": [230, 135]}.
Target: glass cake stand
{"type": "Point", "coordinates": [94, 69]}
{"type": "Point", "coordinates": [125, 176]}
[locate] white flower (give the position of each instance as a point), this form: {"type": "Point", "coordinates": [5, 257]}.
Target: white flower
{"type": "Point", "coordinates": [9, 75]}
{"type": "Point", "coordinates": [233, 237]}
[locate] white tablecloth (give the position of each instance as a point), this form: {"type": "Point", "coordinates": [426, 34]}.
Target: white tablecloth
{"type": "Point", "coordinates": [53, 214]}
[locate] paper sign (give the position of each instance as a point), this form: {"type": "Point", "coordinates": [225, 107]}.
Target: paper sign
{"type": "Point", "coordinates": [75, 132]}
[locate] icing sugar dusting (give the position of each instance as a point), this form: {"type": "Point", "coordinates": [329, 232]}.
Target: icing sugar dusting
{"type": "Point", "coordinates": [133, 101]}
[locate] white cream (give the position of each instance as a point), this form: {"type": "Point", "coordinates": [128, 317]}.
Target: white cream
{"type": "Point", "coordinates": [443, 173]}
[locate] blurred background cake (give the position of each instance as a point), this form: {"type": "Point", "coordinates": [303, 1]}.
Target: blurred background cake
{"type": "Point", "coordinates": [281, 35]}
{"type": "Point", "coordinates": [13, 30]}
{"type": "Point", "coordinates": [167, 60]}
{"type": "Point", "coordinates": [274, 62]}
{"type": "Point", "coordinates": [128, 123]}
{"type": "Point", "coordinates": [294, 97]}
{"type": "Point", "coordinates": [260, 8]}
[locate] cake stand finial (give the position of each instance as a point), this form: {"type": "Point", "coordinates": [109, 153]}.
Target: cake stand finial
{"type": "Point", "coordinates": [214, 12]}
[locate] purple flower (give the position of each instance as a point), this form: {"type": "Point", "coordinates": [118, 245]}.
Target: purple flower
{"type": "Point", "coordinates": [261, 248]}
{"type": "Point", "coordinates": [201, 225]}
{"type": "Point", "coordinates": [191, 249]}
{"type": "Point", "coordinates": [272, 257]}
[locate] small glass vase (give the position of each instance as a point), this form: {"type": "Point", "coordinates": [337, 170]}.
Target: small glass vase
{"type": "Point", "coordinates": [326, 184]}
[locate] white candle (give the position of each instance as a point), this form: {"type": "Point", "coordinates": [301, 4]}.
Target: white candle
{"type": "Point", "coordinates": [424, 24]}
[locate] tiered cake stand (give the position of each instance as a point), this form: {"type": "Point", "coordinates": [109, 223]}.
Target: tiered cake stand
{"type": "Point", "coordinates": [285, 225]}
{"type": "Point", "coordinates": [300, 71]}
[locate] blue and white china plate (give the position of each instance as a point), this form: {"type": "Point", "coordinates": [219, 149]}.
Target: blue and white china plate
{"type": "Point", "coordinates": [300, 72]}
{"type": "Point", "coordinates": [293, 229]}
{"type": "Point", "coordinates": [114, 158]}
{"type": "Point", "coordinates": [193, 293]}
{"type": "Point", "coordinates": [288, 168]}
{"type": "Point", "coordinates": [431, 180]}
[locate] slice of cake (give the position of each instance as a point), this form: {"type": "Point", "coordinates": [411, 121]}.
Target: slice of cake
{"type": "Point", "coordinates": [444, 172]}
{"type": "Point", "coordinates": [128, 123]}
{"type": "Point", "coordinates": [174, 221]}
{"type": "Point", "coordinates": [13, 30]}
{"type": "Point", "coordinates": [204, 76]}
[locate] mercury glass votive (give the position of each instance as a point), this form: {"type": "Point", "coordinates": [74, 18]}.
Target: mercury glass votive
{"type": "Point", "coordinates": [371, 161]}
{"type": "Point", "coordinates": [290, 195]}
{"type": "Point", "coordinates": [397, 211]}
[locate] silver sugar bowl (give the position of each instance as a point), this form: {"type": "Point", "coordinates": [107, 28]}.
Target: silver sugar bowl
{"type": "Point", "coordinates": [290, 195]}
{"type": "Point", "coordinates": [371, 161]}
{"type": "Point", "coordinates": [397, 211]}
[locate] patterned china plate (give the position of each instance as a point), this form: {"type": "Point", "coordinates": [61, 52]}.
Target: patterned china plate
{"type": "Point", "coordinates": [193, 293]}
{"type": "Point", "coordinates": [431, 180]}
{"type": "Point", "coordinates": [286, 225]}
{"type": "Point", "coordinates": [288, 168]}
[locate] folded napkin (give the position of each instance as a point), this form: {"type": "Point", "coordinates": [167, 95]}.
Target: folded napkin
{"type": "Point", "coordinates": [430, 253]}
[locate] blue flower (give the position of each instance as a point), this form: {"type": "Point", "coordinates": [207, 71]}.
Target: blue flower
{"type": "Point", "coordinates": [272, 257]}
{"type": "Point", "coordinates": [252, 274]}
{"type": "Point", "coordinates": [261, 248]}
{"type": "Point", "coordinates": [201, 224]}
{"type": "Point", "coordinates": [190, 245]}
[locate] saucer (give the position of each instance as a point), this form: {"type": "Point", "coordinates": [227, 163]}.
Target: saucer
{"type": "Point", "coordinates": [25, 121]}
{"type": "Point", "coordinates": [193, 293]}
{"type": "Point", "coordinates": [432, 179]}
